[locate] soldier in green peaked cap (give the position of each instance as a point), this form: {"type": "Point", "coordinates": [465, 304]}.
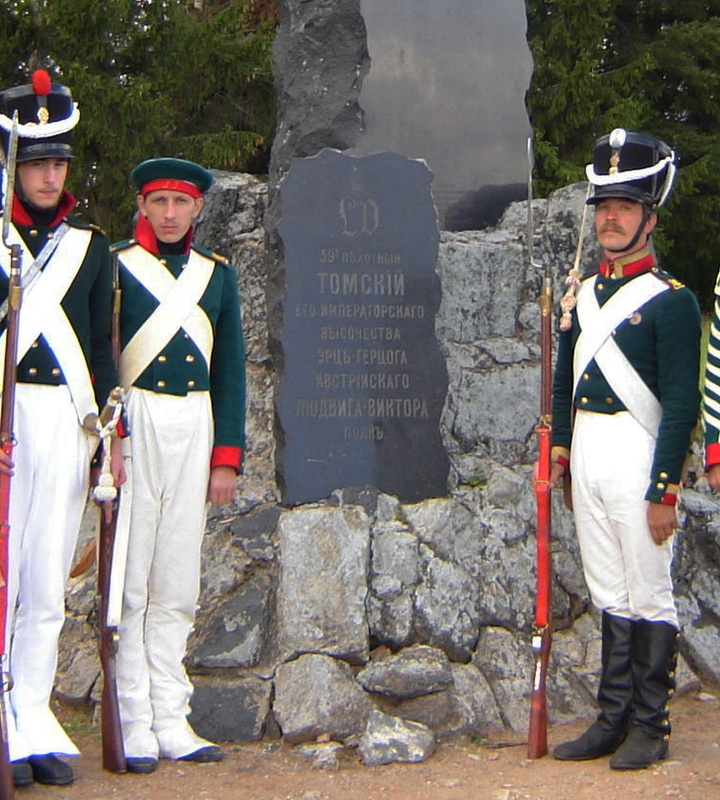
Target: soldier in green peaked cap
{"type": "Point", "coordinates": [183, 366]}
{"type": "Point", "coordinates": [189, 176]}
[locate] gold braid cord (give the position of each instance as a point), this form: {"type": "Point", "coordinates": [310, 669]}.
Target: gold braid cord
{"type": "Point", "coordinates": [569, 299]}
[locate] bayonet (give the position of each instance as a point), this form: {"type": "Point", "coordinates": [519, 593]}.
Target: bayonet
{"type": "Point", "coordinates": [10, 165]}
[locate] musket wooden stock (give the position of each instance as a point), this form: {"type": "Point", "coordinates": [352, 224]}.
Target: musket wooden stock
{"type": "Point", "coordinates": [542, 636]}
{"type": "Point", "coordinates": [537, 731]}
{"type": "Point", "coordinates": [110, 723]}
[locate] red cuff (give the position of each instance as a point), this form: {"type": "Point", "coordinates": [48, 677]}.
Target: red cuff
{"type": "Point", "coordinates": [561, 456]}
{"type": "Point", "coordinates": [224, 456]}
{"type": "Point", "coordinates": [712, 454]}
{"type": "Point", "coordinates": [671, 495]}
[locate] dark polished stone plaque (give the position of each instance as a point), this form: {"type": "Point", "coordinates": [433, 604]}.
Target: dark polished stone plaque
{"type": "Point", "coordinates": [363, 382]}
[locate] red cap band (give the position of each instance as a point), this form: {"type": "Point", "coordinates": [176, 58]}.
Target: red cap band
{"type": "Point", "coordinates": [170, 183]}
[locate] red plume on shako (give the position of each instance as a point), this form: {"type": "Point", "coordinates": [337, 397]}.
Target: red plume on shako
{"type": "Point", "coordinates": [41, 85]}
{"type": "Point", "coordinates": [41, 82]}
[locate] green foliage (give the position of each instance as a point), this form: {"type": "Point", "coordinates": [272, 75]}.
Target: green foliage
{"type": "Point", "coordinates": [151, 78]}
{"type": "Point", "coordinates": [648, 65]}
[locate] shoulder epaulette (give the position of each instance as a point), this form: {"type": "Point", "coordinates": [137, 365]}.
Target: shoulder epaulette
{"type": "Point", "coordinates": [215, 256]}
{"type": "Point", "coordinates": [666, 277]}
{"type": "Point", "coordinates": [123, 245]}
{"type": "Point", "coordinates": [74, 222]}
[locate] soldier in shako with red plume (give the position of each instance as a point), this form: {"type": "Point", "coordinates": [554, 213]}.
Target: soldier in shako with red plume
{"type": "Point", "coordinates": [65, 371]}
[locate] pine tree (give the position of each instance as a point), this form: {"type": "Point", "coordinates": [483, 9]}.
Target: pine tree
{"type": "Point", "coordinates": [151, 78]}
{"type": "Point", "coordinates": [647, 65]}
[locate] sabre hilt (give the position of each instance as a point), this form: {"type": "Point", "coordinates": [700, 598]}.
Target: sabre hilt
{"type": "Point", "coordinates": [104, 425]}
{"type": "Point", "coordinates": [108, 417]}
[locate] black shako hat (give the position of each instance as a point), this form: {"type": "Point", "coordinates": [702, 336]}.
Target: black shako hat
{"type": "Point", "coordinates": [631, 165]}
{"type": "Point", "coordinates": [46, 118]}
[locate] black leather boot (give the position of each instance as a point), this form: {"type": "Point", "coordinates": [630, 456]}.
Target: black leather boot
{"type": "Point", "coordinates": [654, 660]}
{"type": "Point", "coordinates": [614, 696]}
{"type": "Point", "coordinates": [49, 769]}
{"type": "Point", "coordinates": [22, 772]}
{"type": "Point", "coordinates": [204, 755]}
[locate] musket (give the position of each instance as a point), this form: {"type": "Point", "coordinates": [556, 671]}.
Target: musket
{"type": "Point", "coordinates": [113, 750]}
{"type": "Point", "coordinates": [7, 442]}
{"type": "Point", "coordinates": [542, 634]}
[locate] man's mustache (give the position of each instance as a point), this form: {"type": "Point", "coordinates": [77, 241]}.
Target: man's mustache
{"type": "Point", "coordinates": [609, 227]}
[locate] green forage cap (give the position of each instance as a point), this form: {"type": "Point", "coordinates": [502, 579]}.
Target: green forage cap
{"type": "Point", "coordinates": [171, 173]}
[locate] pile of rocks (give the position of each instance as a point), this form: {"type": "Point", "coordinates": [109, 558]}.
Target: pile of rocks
{"type": "Point", "coordinates": [357, 618]}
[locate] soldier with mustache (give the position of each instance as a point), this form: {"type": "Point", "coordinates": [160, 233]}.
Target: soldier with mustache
{"type": "Point", "coordinates": [624, 407]}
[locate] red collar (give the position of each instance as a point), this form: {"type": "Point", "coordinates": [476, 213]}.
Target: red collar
{"type": "Point", "coordinates": [20, 214]}
{"type": "Point", "coordinates": [625, 266]}
{"type": "Point", "coordinates": [145, 236]}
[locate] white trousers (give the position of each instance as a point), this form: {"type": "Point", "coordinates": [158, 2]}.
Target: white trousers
{"type": "Point", "coordinates": [47, 498]}
{"type": "Point", "coordinates": [170, 443]}
{"type": "Point", "coordinates": [628, 575]}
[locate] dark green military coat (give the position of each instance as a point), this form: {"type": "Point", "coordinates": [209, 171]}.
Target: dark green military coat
{"type": "Point", "coordinates": [87, 305]}
{"type": "Point", "coordinates": [662, 342]}
{"type": "Point", "coordinates": [180, 367]}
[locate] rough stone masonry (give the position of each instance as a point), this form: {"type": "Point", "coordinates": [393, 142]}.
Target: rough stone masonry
{"type": "Point", "coordinates": [362, 617]}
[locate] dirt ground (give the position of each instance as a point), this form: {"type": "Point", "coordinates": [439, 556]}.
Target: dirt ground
{"type": "Point", "coordinates": [493, 769]}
